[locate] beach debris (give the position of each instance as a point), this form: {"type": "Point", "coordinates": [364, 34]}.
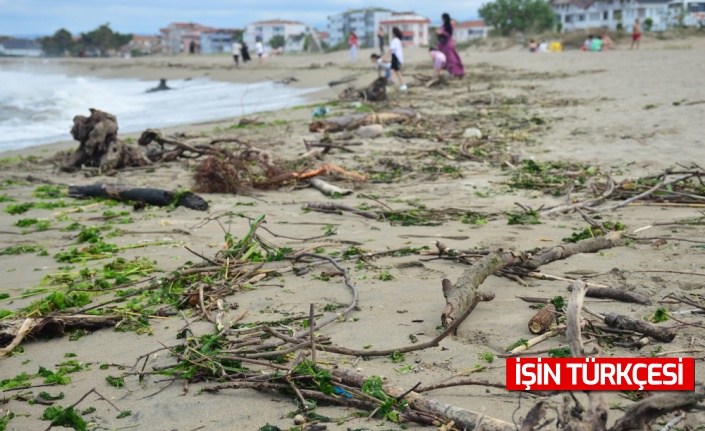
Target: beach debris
{"type": "Point", "coordinates": [99, 146]}
{"type": "Point", "coordinates": [329, 189]}
{"type": "Point", "coordinates": [371, 131]}
{"type": "Point", "coordinates": [543, 320]}
{"type": "Point", "coordinates": [329, 207]}
{"type": "Point", "coordinates": [320, 112]}
{"type": "Point", "coordinates": [375, 92]}
{"type": "Point", "coordinates": [342, 81]}
{"type": "Point", "coordinates": [287, 80]}
{"type": "Point", "coordinates": [161, 87]}
{"type": "Point", "coordinates": [354, 121]}
{"type": "Point", "coordinates": [149, 196]}
{"type": "Point", "coordinates": [472, 132]}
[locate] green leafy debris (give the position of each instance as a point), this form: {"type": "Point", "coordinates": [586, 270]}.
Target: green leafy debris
{"type": "Point", "coordinates": [65, 417]}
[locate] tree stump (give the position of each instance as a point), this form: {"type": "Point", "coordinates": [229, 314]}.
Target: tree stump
{"type": "Point", "coordinates": [100, 148]}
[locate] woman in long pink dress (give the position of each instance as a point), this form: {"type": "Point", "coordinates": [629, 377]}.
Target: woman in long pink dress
{"type": "Point", "coordinates": [447, 46]}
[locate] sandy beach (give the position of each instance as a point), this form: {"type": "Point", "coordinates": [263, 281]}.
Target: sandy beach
{"type": "Point", "coordinates": [585, 117]}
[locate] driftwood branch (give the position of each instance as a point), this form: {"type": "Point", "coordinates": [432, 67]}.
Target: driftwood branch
{"type": "Point", "coordinates": [147, 195]}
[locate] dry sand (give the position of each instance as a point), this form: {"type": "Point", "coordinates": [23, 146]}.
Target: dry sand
{"type": "Point", "coordinates": [595, 109]}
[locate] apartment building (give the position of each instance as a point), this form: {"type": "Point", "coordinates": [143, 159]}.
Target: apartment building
{"type": "Point", "coordinates": [364, 22]}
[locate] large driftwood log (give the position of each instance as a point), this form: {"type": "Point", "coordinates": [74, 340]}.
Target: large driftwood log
{"type": "Point", "coordinates": [542, 320]}
{"type": "Point", "coordinates": [629, 324]}
{"type": "Point", "coordinates": [642, 414]}
{"type": "Point", "coordinates": [100, 147]}
{"type": "Point", "coordinates": [149, 196]}
{"type": "Point", "coordinates": [460, 295]}
{"type": "Point", "coordinates": [616, 294]}
{"type": "Point", "coordinates": [464, 419]}
{"type": "Point", "coordinates": [353, 121]}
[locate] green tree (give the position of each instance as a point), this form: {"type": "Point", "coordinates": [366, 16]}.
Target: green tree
{"type": "Point", "coordinates": [58, 44]}
{"type": "Point", "coordinates": [648, 24]}
{"type": "Point", "coordinates": [276, 41]}
{"type": "Point", "coordinates": [526, 16]}
{"type": "Point", "coordinates": [104, 39]}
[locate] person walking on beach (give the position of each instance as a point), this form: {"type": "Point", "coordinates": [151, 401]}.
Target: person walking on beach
{"type": "Point", "coordinates": [237, 48]}
{"type": "Point", "coordinates": [636, 33]}
{"type": "Point", "coordinates": [353, 43]}
{"type": "Point", "coordinates": [245, 53]}
{"type": "Point", "coordinates": [381, 34]}
{"type": "Point", "coordinates": [447, 46]}
{"type": "Point", "coordinates": [396, 56]}
{"type": "Point", "coordinates": [259, 47]}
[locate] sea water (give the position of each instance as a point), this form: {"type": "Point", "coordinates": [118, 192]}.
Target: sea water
{"type": "Point", "coordinates": [38, 109]}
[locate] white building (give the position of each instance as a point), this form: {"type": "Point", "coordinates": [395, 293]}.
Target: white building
{"type": "Point", "coordinates": [266, 30]}
{"type": "Point", "coordinates": [364, 22]}
{"type": "Point", "coordinates": [414, 27]}
{"type": "Point", "coordinates": [609, 14]}
{"type": "Point", "coordinates": [469, 30]}
{"type": "Point", "coordinates": [20, 48]}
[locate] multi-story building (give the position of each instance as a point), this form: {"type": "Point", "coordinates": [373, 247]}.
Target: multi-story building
{"type": "Point", "coordinates": [266, 30]}
{"type": "Point", "coordinates": [468, 30]}
{"type": "Point", "coordinates": [177, 36]}
{"type": "Point", "coordinates": [609, 14]}
{"type": "Point", "coordinates": [217, 41]}
{"type": "Point", "coordinates": [414, 27]}
{"type": "Point", "coordinates": [364, 22]}
{"type": "Point", "coordinates": [20, 48]}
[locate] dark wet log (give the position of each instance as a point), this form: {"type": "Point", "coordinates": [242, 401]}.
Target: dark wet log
{"type": "Point", "coordinates": [161, 87]}
{"type": "Point", "coordinates": [617, 295]}
{"type": "Point", "coordinates": [149, 196]}
{"type": "Point", "coordinates": [542, 320]}
{"type": "Point", "coordinates": [628, 324]}
{"type": "Point", "coordinates": [327, 207]}
{"type": "Point", "coordinates": [99, 146]}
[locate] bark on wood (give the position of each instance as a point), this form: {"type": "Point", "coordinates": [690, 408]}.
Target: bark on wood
{"type": "Point", "coordinates": [329, 189]}
{"type": "Point", "coordinates": [573, 333]}
{"type": "Point", "coordinates": [353, 121]}
{"type": "Point", "coordinates": [99, 146]}
{"type": "Point", "coordinates": [542, 320]}
{"type": "Point", "coordinates": [595, 419]}
{"type": "Point", "coordinates": [616, 294]}
{"type": "Point", "coordinates": [642, 414]}
{"type": "Point", "coordinates": [629, 324]}
{"type": "Point", "coordinates": [147, 195]}
{"type": "Point", "coordinates": [462, 293]}
{"type": "Point", "coordinates": [463, 418]}
{"type": "Point", "coordinates": [534, 416]}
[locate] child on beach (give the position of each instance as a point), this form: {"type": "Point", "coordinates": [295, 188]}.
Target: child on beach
{"type": "Point", "coordinates": [439, 60]}
{"type": "Point", "coordinates": [379, 66]}
{"type": "Point", "coordinates": [396, 55]}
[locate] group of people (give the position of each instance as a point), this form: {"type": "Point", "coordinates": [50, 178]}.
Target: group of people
{"type": "Point", "coordinates": [598, 43]}
{"type": "Point", "coordinates": [444, 55]}
{"type": "Point", "coordinates": [241, 49]}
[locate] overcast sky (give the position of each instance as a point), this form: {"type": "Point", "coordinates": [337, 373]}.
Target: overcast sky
{"type": "Point", "coordinates": [40, 17]}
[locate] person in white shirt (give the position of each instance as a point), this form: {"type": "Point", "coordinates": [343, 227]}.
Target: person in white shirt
{"type": "Point", "coordinates": [237, 47]}
{"type": "Point", "coordinates": [259, 47]}
{"type": "Point", "coordinates": [396, 55]}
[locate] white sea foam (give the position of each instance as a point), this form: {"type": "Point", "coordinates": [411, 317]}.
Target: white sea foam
{"type": "Point", "coordinates": [38, 109]}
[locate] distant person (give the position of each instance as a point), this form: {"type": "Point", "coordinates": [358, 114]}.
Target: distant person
{"type": "Point", "coordinates": [607, 42]}
{"type": "Point", "coordinates": [636, 34]}
{"type": "Point", "coordinates": [237, 49]}
{"type": "Point", "coordinates": [381, 34]}
{"type": "Point", "coordinates": [447, 46]}
{"type": "Point", "coordinates": [543, 46]}
{"type": "Point", "coordinates": [395, 55]}
{"type": "Point", "coordinates": [353, 43]}
{"type": "Point", "coordinates": [259, 47]}
{"type": "Point", "coordinates": [588, 43]}
{"type": "Point", "coordinates": [533, 46]}
{"type": "Point", "coordinates": [596, 45]}
{"type": "Point", "coordinates": [245, 53]}
{"type": "Point", "coordinates": [380, 66]}
{"type": "Point", "coordinates": [439, 60]}
{"type": "Point", "coordinates": [192, 47]}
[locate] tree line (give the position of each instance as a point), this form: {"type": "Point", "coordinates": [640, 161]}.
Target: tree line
{"type": "Point", "coordinates": [96, 42]}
